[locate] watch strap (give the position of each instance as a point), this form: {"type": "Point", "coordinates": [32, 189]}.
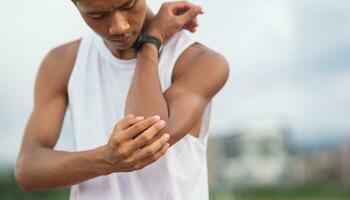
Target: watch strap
{"type": "Point", "coordinates": [145, 38]}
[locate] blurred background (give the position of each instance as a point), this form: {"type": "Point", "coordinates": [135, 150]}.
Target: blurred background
{"type": "Point", "coordinates": [280, 128]}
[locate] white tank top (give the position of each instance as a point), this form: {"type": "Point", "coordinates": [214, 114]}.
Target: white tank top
{"type": "Point", "coordinates": [97, 91]}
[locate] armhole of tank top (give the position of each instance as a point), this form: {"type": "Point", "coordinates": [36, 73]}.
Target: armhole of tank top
{"type": "Point", "coordinates": [204, 130]}
{"type": "Point", "coordinates": [202, 138]}
{"type": "Point", "coordinates": [77, 65]}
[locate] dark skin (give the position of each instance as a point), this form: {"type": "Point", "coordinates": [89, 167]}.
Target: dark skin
{"type": "Point", "coordinates": [198, 75]}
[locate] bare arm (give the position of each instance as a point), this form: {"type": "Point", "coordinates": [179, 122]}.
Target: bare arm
{"type": "Point", "coordinates": [203, 75]}
{"type": "Point", "coordinates": [39, 166]}
{"type": "Point", "coordinates": [145, 95]}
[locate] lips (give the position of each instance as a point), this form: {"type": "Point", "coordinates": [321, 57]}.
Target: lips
{"type": "Point", "coordinates": [120, 40]}
{"type": "Point", "coordinates": [123, 39]}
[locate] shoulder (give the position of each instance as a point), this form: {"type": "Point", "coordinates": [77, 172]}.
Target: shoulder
{"type": "Point", "coordinates": [204, 63]}
{"type": "Point", "coordinates": [57, 65]}
{"type": "Point", "coordinates": [65, 52]}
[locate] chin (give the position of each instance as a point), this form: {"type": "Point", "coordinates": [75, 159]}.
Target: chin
{"type": "Point", "coordinates": [121, 47]}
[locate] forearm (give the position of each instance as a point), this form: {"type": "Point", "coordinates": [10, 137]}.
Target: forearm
{"type": "Point", "coordinates": [47, 168]}
{"type": "Point", "coordinates": [145, 95]}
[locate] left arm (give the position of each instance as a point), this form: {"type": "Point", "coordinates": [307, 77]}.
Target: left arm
{"type": "Point", "coordinates": [183, 103]}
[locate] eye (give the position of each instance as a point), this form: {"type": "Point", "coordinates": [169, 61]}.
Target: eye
{"type": "Point", "coordinates": [97, 15]}
{"type": "Point", "coordinates": [129, 5]}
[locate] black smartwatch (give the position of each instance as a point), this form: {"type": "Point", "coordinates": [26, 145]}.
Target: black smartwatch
{"type": "Point", "coordinates": [145, 38]}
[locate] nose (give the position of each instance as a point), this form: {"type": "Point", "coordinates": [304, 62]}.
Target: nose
{"type": "Point", "coordinates": [119, 24]}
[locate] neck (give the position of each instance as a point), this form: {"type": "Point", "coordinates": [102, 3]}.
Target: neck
{"type": "Point", "coordinates": [129, 53]}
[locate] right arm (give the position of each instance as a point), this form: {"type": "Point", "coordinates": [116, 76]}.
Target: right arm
{"type": "Point", "coordinates": [39, 166]}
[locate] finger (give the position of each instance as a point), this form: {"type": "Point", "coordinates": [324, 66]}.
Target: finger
{"type": "Point", "coordinates": [192, 30]}
{"type": "Point", "coordinates": [190, 27]}
{"type": "Point", "coordinates": [153, 158]}
{"type": "Point", "coordinates": [135, 120]}
{"type": "Point", "coordinates": [180, 7]}
{"type": "Point", "coordinates": [140, 127]}
{"type": "Point", "coordinates": [181, 11]}
{"type": "Point", "coordinates": [191, 14]}
{"type": "Point", "coordinates": [127, 121]}
{"type": "Point", "coordinates": [153, 148]}
{"type": "Point", "coordinates": [192, 23]}
{"type": "Point", "coordinates": [148, 135]}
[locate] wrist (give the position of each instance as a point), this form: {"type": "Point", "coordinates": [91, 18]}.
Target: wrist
{"type": "Point", "coordinates": [150, 46]}
{"type": "Point", "coordinates": [103, 159]}
{"type": "Point", "coordinates": [156, 34]}
{"type": "Point", "coordinates": [144, 40]}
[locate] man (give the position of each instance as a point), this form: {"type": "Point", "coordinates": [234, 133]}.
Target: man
{"type": "Point", "coordinates": [130, 101]}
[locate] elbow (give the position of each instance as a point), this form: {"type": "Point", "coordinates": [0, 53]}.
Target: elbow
{"type": "Point", "coordinates": [21, 177]}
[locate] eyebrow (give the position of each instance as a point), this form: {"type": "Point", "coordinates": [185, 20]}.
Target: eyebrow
{"type": "Point", "coordinates": [101, 10]}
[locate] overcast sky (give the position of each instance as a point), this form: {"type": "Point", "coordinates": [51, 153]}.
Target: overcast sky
{"type": "Point", "coordinates": [289, 62]}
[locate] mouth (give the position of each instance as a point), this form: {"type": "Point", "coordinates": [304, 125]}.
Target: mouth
{"type": "Point", "coordinates": [120, 40]}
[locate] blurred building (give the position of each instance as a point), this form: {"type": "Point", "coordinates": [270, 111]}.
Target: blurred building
{"type": "Point", "coordinates": [254, 156]}
{"type": "Point", "coordinates": [316, 166]}
{"type": "Point", "coordinates": [265, 155]}
{"type": "Point", "coordinates": [322, 165]}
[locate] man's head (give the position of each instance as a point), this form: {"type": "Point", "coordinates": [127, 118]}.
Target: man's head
{"type": "Point", "coordinates": [118, 22]}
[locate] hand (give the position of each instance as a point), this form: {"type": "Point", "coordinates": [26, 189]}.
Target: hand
{"type": "Point", "coordinates": [129, 146]}
{"type": "Point", "coordinates": [172, 17]}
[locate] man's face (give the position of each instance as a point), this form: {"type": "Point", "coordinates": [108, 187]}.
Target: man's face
{"type": "Point", "coordinates": [118, 22]}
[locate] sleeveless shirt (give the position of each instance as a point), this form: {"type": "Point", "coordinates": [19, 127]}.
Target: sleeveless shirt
{"type": "Point", "coordinates": [97, 91]}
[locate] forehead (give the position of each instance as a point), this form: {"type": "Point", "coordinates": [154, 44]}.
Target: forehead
{"type": "Point", "coordinates": [90, 5]}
